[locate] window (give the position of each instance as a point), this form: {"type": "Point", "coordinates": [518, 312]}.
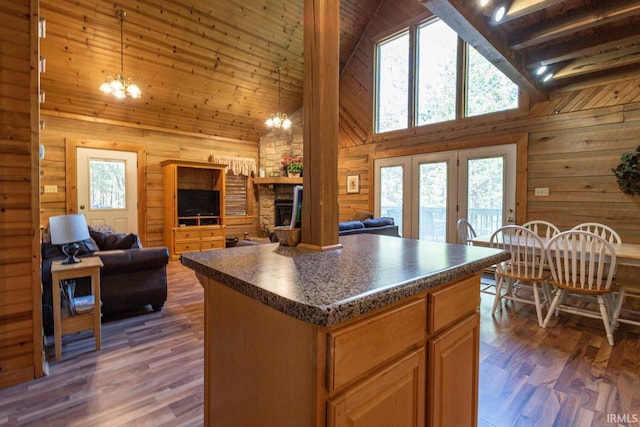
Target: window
{"type": "Point", "coordinates": [437, 54]}
{"type": "Point", "coordinates": [437, 86]}
{"type": "Point", "coordinates": [488, 90]}
{"type": "Point", "coordinates": [235, 195]}
{"type": "Point", "coordinates": [393, 75]}
{"type": "Point", "coordinates": [107, 188]}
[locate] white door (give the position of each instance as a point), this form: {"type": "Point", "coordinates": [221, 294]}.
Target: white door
{"type": "Point", "coordinates": [108, 188]}
{"type": "Point", "coordinates": [426, 194]}
{"type": "Point", "coordinates": [487, 187]}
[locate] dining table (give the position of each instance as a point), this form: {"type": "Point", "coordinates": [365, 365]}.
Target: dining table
{"type": "Point", "coordinates": [626, 253]}
{"type": "Point", "coordinates": [627, 271]}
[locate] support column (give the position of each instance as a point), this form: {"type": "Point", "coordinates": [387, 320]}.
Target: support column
{"type": "Point", "coordinates": [320, 101]}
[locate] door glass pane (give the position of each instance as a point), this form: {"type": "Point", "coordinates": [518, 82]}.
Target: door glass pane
{"type": "Point", "coordinates": [436, 86]}
{"type": "Point", "coordinates": [485, 198]}
{"type": "Point", "coordinates": [393, 84]}
{"type": "Point", "coordinates": [107, 180]}
{"type": "Point", "coordinates": [391, 194]}
{"type": "Point", "coordinates": [433, 202]}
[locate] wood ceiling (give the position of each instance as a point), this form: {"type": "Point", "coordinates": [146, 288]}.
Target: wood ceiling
{"type": "Point", "coordinates": [578, 40]}
{"type": "Point", "coordinates": [204, 66]}
{"type": "Point", "coordinates": [208, 66]}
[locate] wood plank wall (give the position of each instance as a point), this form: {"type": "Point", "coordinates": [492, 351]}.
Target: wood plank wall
{"type": "Point", "coordinates": [160, 145]}
{"type": "Point", "coordinates": [21, 356]}
{"type": "Point", "coordinates": [574, 140]}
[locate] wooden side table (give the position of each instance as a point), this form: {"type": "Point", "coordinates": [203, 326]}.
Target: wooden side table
{"type": "Point", "coordinates": [90, 320]}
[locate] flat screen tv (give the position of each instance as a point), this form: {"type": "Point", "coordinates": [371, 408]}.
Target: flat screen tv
{"type": "Point", "coordinates": [198, 202]}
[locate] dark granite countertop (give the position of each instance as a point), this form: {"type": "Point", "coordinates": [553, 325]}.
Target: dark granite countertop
{"type": "Point", "coordinates": [325, 288]}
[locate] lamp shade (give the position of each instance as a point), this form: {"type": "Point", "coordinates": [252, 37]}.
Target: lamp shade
{"type": "Point", "coordinates": [68, 229]}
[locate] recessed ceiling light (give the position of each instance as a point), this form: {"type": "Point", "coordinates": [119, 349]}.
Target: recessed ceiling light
{"type": "Point", "coordinates": [547, 77]}
{"type": "Point", "coordinates": [541, 69]}
{"type": "Point", "coordinates": [483, 3]}
{"type": "Point", "coordinates": [499, 13]}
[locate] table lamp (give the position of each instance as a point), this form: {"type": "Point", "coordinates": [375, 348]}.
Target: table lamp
{"type": "Point", "coordinates": [68, 230]}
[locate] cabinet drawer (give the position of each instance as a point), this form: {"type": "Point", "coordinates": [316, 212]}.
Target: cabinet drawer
{"type": "Point", "coordinates": [212, 244]}
{"type": "Point", "coordinates": [359, 347]}
{"type": "Point", "coordinates": [187, 234]}
{"type": "Point", "coordinates": [182, 247]}
{"type": "Point", "coordinates": [211, 232]}
{"type": "Point", "coordinates": [453, 302]}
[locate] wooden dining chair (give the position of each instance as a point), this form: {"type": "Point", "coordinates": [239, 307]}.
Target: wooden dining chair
{"type": "Point", "coordinates": [628, 282]}
{"type": "Point", "coordinates": [602, 230]}
{"type": "Point", "coordinates": [465, 232]}
{"type": "Point", "coordinates": [525, 269]}
{"type": "Point", "coordinates": [583, 264]}
{"type": "Point", "coordinates": [542, 228]}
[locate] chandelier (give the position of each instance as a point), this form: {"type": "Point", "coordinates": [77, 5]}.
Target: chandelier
{"type": "Point", "coordinates": [278, 120]}
{"type": "Point", "coordinates": [119, 86]}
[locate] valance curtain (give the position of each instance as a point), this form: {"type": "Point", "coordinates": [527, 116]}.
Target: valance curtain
{"type": "Point", "coordinates": [238, 165]}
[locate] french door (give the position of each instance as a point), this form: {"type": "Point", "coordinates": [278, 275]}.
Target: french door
{"type": "Point", "coordinates": [426, 194]}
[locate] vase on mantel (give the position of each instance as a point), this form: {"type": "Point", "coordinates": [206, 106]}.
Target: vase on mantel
{"type": "Point", "coordinates": [293, 174]}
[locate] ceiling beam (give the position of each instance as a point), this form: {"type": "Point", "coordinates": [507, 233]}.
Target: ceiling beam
{"type": "Point", "coordinates": [490, 41]}
{"type": "Point", "coordinates": [605, 61]}
{"type": "Point", "coordinates": [583, 47]}
{"type": "Point", "coordinates": [568, 24]}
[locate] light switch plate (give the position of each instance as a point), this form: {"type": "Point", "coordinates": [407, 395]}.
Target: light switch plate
{"type": "Point", "coordinates": [542, 191]}
{"type": "Point", "coordinates": [50, 188]}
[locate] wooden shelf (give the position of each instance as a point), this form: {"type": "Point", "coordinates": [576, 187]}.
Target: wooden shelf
{"type": "Point", "coordinates": [280, 180]}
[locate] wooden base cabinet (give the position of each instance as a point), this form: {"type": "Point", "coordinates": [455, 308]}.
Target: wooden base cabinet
{"type": "Point", "coordinates": [452, 386]}
{"type": "Point", "coordinates": [200, 225]}
{"type": "Point", "coordinates": [391, 367]}
{"type": "Point", "coordinates": [392, 397]}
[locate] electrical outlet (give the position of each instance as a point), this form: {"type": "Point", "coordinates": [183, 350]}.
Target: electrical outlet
{"type": "Point", "coordinates": [542, 191]}
{"type": "Point", "coordinates": [50, 188]}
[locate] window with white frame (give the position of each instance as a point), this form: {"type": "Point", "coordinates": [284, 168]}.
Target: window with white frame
{"type": "Point", "coordinates": [421, 79]}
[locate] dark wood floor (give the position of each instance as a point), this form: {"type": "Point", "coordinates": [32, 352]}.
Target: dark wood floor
{"type": "Point", "coordinates": [149, 371]}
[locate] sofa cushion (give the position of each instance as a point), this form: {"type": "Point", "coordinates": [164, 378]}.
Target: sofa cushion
{"type": "Point", "coordinates": [378, 222]}
{"type": "Point", "coordinates": [107, 241]}
{"type": "Point", "coordinates": [350, 225]}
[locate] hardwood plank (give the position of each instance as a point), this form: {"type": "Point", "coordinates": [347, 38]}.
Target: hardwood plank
{"type": "Point", "coordinates": [150, 368]}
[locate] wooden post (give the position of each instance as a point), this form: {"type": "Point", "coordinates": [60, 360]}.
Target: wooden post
{"type": "Point", "coordinates": [320, 102]}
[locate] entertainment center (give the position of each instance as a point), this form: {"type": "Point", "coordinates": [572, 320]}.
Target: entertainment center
{"type": "Point", "coordinates": [193, 206]}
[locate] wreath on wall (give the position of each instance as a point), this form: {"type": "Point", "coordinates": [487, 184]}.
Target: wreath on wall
{"type": "Point", "coordinates": [627, 173]}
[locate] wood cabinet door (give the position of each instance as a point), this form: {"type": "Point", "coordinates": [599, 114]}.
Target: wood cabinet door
{"type": "Point", "coordinates": [452, 377]}
{"type": "Point", "coordinates": [395, 396]}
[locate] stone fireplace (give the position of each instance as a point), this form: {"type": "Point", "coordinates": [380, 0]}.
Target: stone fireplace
{"type": "Point", "coordinates": [273, 147]}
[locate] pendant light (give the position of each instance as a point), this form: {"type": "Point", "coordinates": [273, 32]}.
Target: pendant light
{"type": "Point", "coordinates": [119, 86]}
{"type": "Point", "coordinates": [278, 120]}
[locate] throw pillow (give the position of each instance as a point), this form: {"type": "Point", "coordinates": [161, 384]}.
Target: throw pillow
{"type": "Point", "coordinates": [361, 216]}
{"type": "Point", "coordinates": [119, 241]}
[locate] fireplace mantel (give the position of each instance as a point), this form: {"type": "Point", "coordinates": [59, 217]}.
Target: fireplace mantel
{"type": "Point", "coordinates": [280, 180]}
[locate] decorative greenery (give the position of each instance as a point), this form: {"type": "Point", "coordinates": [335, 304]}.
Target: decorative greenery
{"type": "Point", "coordinates": [292, 164]}
{"type": "Point", "coordinates": [627, 172]}
{"type": "Point", "coordinates": [264, 230]}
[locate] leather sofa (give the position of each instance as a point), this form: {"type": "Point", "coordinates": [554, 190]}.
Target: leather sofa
{"type": "Point", "coordinates": [132, 276]}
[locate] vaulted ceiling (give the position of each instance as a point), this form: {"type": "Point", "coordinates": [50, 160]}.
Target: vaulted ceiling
{"type": "Point", "coordinates": [208, 66]}
{"type": "Point", "coordinates": [577, 40]}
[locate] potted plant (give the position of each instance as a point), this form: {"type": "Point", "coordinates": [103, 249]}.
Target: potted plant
{"type": "Point", "coordinates": [264, 231]}
{"type": "Point", "coordinates": [293, 165]}
{"type": "Point", "coordinates": [627, 173]}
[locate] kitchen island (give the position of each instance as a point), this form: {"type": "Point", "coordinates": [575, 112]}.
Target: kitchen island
{"type": "Point", "coordinates": [383, 331]}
